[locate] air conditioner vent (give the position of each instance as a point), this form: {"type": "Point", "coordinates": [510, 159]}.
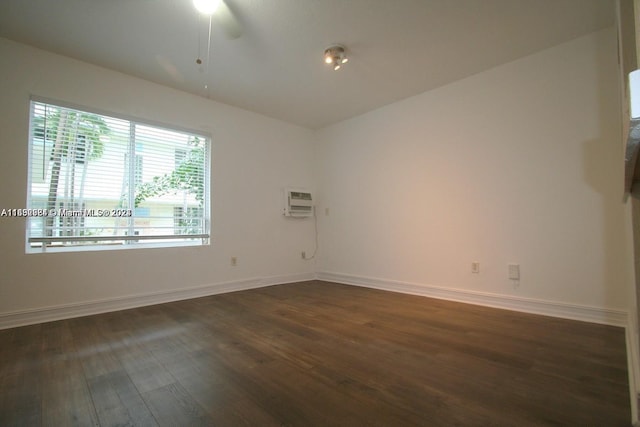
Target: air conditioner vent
{"type": "Point", "coordinates": [298, 203]}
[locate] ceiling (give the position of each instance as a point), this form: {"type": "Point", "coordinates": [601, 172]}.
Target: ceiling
{"type": "Point", "coordinates": [396, 48]}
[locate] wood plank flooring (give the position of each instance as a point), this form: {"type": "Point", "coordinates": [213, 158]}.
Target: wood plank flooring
{"type": "Point", "coordinates": [314, 354]}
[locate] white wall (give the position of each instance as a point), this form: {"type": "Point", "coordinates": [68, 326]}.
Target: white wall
{"type": "Point", "coordinates": [254, 158]}
{"type": "Point", "coordinates": [519, 164]}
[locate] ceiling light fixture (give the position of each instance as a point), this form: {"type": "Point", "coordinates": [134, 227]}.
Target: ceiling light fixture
{"type": "Point", "coordinates": [335, 56]}
{"type": "Point", "coordinates": [206, 7]}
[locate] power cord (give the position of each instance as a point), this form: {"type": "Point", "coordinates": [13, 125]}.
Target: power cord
{"type": "Point", "coordinates": [315, 225]}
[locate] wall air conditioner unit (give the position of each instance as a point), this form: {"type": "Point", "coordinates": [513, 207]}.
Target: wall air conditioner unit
{"type": "Point", "coordinates": [298, 203]}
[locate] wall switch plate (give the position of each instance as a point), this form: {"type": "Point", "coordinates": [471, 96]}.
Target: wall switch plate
{"type": "Point", "coordinates": [303, 254]}
{"type": "Point", "coordinates": [475, 267]}
{"type": "Point", "coordinates": [234, 261]}
{"type": "Point", "coordinates": [514, 271]}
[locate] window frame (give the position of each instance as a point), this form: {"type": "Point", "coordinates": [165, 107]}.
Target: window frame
{"type": "Point", "coordinates": [130, 242]}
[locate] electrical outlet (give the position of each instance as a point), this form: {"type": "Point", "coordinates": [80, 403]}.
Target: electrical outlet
{"type": "Point", "coordinates": [234, 261]}
{"type": "Point", "coordinates": [303, 254]}
{"type": "Point", "coordinates": [514, 271]}
{"type": "Point", "coordinates": [475, 267]}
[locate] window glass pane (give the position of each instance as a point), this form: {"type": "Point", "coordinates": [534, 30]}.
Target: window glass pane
{"type": "Point", "coordinates": [101, 180]}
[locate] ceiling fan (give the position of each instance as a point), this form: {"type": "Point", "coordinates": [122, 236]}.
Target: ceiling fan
{"type": "Point", "coordinates": [219, 12]}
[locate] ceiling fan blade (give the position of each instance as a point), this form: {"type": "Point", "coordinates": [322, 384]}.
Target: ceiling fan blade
{"type": "Point", "coordinates": [225, 17]}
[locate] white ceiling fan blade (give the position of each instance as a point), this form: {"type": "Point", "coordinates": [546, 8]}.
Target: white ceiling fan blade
{"type": "Point", "coordinates": [225, 17]}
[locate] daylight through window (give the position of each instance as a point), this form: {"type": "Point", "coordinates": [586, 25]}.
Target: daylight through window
{"type": "Point", "coordinates": [99, 182]}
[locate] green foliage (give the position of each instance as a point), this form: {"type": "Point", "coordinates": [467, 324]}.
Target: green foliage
{"type": "Point", "coordinates": [188, 176]}
{"type": "Point", "coordinates": [77, 126]}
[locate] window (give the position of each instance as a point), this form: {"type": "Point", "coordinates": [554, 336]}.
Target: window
{"type": "Point", "coordinates": [88, 188]}
{"type": "Point", "coordinates": [186, 220]}
{"type": "Point", "coordinates": [137, 169]}
{"type": "Point", "coordinates": [180, 156]}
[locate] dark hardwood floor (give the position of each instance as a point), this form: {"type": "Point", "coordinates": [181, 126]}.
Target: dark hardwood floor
{"type": "Point", "coordinates": [314, 354]}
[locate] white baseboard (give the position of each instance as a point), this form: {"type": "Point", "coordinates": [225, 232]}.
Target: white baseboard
{"type": "Point", "coordinates": [527, 305]}
{"type": "Point", "coordinates": [67, 311]}
{"type": "Point", "coordinates": [290, 278]}
{"type": "Point", "coordinates": [562, 310]}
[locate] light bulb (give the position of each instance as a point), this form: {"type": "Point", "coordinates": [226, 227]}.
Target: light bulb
{"type": "Point", "coordinates": [206, 7]}
{"type": "Point", "coordinates": [344, 60]}
{"type": "Point", "coordinates": [336, 67]}
{"type": "Point", "coordinates": [328, 59]}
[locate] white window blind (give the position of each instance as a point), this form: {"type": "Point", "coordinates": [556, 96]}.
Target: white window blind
{"type": "Point", "coordinates": [99, 182]}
